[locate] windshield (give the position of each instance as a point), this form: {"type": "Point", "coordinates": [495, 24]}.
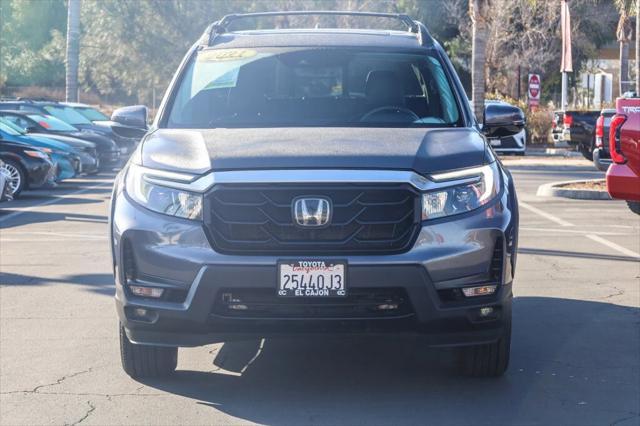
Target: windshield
{"type": "Point", "coordinates": [8, 127]}
{"type": "Point", "coordinates": [67, 114]}
{"type": "Point", "coordinates": [51, 123]}
{"type": "Point", "coordinates": [313, 87]}
{"type": "Point", "coordinates": [92, 114]}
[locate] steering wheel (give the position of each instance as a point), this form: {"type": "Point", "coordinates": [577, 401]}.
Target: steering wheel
{"type": "Point", "coordinates": [410, 114]}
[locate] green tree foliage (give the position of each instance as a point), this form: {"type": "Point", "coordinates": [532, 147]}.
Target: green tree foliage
{"type": "Point", "coordinates": [32, 41]}
{"type": "Point", "coordinates": [130, 47]}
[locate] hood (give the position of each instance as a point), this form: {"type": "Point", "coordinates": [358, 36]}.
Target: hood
{"type": "Point", "coordinates": [101, 130]}
{"type": "Point", "coordinates": [45, 142]}
{"type": "Point", "coordinates": [103, 143]}
{"type": "Point", "coordinates": [422, 150]}
{"type": "Point", "coordinates": [71, 141]}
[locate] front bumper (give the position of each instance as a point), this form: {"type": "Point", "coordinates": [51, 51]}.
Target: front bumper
{"type": "Point", "coordinates": [448, 254]}
{"type": "Point", "coordinates": [623, 183]}
{"type": "Point", "coordinates": [109, 158]}
{"type": "Point", "coordinates": [66, 167]}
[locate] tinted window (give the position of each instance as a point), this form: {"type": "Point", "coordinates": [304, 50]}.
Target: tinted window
{"type": "Point", "coordinates": [313, 87]}
{"type": "Point", "coordinates": [67, 114]}
{"type": "Point", "coordinates": [21, 122]}
{"type": "Point", "coordinates": [10, 128]}
{"type": "Point", "coordinates": [51, 123]}
{"type": "Point", "coordinates": [92, 114]}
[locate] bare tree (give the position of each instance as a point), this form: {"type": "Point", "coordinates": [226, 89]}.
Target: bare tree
{"type": "Point", "coordinates": [479, 12]}
{"type": "Point", "coordinates": [73, 50]}
{"type": "Point", "coordinates": [624, 33]}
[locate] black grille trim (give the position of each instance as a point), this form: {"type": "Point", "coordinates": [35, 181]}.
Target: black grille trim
{"type": "Point", "coordinates": [256, 219]}
{"type": "Point", "coordinates": [360, 303]}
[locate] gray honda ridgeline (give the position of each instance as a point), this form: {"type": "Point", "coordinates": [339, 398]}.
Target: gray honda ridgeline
{"type": "Point", "coordinates": [300, 181]}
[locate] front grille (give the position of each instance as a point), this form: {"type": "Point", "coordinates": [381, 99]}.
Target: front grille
{"type": "Point", "coordinates": [257, 303]}
{"type": "Point", "coordinates": [366, 219]}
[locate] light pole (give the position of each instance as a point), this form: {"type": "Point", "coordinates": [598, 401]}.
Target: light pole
{"type": "Point", "coordinates": [566, 65]}
{"type": "Point", "coordinates": [73, 51]}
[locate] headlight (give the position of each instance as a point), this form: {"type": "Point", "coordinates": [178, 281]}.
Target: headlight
{"type": "Point", "coordinates": [162, 199]}
{"type": "Point", "coordinates": [481, 185]}
{"type": "Point", "coordinates": [36, 154]}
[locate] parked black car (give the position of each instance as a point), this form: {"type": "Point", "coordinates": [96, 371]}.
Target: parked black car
{"type": "Point", "coordinates": [104, 148]}
{"type": "Point", "coordinates": [71, 116]}
{"type": "Point", "coordinates": [26, 166]}
{"type": "Point", "coordinates": [601, 156]}
{"type": "Point", "coordinates": [508, 143]}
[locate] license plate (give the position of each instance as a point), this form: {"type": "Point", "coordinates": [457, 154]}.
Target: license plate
{"type": "Point", "coordinates": [495, 142]}
{"type": "Point", "coordinates": [310, 278]}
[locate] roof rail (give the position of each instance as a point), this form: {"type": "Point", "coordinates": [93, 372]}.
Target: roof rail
{"type": "Point", "coordinates": [221, 26]}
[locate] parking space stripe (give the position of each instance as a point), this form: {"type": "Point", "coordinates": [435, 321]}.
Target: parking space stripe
{"type": "Point", "coordinates": [52, 201]}
{"type": "Point", "coordinates": [570, 231]}
{"type": "Point", "coordinates": [591, 235]}
{"type": "Point", "coordinates": [613, 246]}
{"type": "Point", "coordinates": [544, 214]}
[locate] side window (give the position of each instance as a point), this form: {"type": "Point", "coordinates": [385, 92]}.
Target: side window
{"type": "Point", "coordinates": [16, 120]}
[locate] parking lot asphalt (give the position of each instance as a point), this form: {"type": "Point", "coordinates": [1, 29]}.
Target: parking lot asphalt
{"type": "Point", "coordinates": [575, 349]}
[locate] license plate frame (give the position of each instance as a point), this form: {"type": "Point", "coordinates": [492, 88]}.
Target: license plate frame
{"type": "Point", "coordinates": [334, 283]}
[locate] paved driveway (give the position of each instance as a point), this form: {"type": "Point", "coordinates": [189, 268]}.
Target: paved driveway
{"type": "Point", "coordinates": [575, 353]}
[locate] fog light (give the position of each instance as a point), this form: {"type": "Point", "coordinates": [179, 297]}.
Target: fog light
{"type": "Point", "coordinates": [485, 312]}
{"type": "Point", "coordinates": [238, 307]}
{"type": "Point", "coordinates": [484, 290]}
{"type": "Point", "coordinates": [140, 312]}
{"type": "Point", "coordinates": [387, 306]}
{"type": "Point", "coordinates": [146, 291]}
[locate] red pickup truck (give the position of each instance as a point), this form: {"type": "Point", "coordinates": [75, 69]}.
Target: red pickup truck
{"type": "Point", "coordinates": [623, 176]}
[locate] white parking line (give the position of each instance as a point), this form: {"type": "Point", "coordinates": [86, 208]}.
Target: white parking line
{"type": "Point", "coordinates": [591, 235]}
{"type": "Point", "coordinates": [544, 214]}
{"type": "Point", "coordinates": [570, 231]}
{"type": "Point", "coordinates": [52, 201]}
{"type": "Point", "coordinates": [613, 245]}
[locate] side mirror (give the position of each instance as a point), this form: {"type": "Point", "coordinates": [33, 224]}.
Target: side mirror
{"type": "Point", "coordinates": [130, 121]}
{"type": "Point", "coordinates": [501, 119]}
{"type": "Point", "coordinates": [131, 116]}
{"type": "Point", "coordinates": [31, 129]}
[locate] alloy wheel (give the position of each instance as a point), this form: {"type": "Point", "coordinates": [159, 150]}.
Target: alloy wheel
{"type": "Point", "coordinates": [13, 175]}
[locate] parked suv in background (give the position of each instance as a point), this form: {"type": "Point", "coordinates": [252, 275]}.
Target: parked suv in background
{"type": "Point", "coordinates": [623, 176]}
{"type": "Point", "coordinates": [322, 180]}
{"type": "Point", "coordinates": [509, 143]}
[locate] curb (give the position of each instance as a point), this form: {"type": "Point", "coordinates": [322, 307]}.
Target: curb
{"type": "Point", "coordinates": [552, 190]}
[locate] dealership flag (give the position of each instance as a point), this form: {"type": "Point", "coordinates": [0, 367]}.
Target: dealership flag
{"type": "Point", "coordinates": [565, 18]}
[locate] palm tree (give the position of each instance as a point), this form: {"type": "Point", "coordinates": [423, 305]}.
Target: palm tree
{"type": "Point", "coordinates": [624, 33]}
{"type": "Point", "coordinates": [73, 50]}
{"type": "Point", "coordinates": [479, 11]}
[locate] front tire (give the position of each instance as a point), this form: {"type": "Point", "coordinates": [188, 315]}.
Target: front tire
{"type": "Point", "coordinates": [634, 206]}
{"type": "Point", "coordinates": [146, 361]}
{"type": "Point", "coordinates": [489, 360]}
{"type": "Point", "coordinates": [17, 177]}
{"type": "Point", "coordinates": [586, 151]}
